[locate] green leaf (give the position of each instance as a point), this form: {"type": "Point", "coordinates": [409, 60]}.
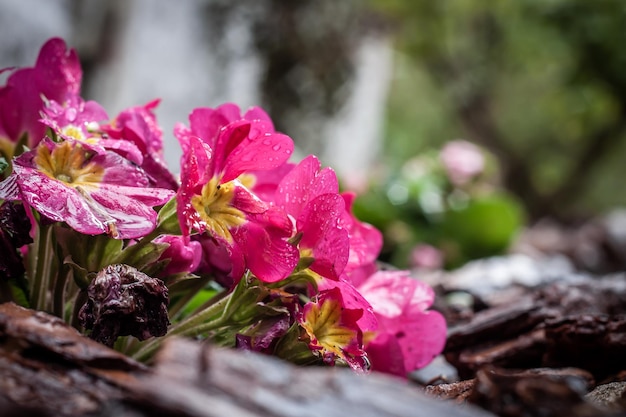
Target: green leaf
{"type": "Point", "coordinates": [141, 256]}
{"type": "Point", "coordinates": [485, 227]}
{"type": "Point", "coordinates": [199, 299]}
{"type": "Point", "coordinates": [3, 164]}
{"type": "Point", "coordinates": [167, 222]}
{"type": "Point", "coordinates": [18, 292]}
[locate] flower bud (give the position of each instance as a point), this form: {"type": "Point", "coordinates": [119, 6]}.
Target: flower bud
{"type": "Point", "coordinates": [124, 301]}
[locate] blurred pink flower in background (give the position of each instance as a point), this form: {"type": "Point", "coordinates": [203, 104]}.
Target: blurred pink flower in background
{"type": "Point", "coordinates": [462, 160]}
{"type": "Point", "coordinates": [426, 257]}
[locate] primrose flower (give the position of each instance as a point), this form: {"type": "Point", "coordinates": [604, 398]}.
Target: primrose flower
{"type": "Point", "coordinates": [365, 240]}
{"type": "Point", "coordinates": [462, 160]}
{"type": "Point", "coordinates": [74, 117]}
{"type": "Point", "coordinates": [309, 194]}
{"type": "Point", "coordinates": [332, 330]}
{"type": "Point", "coordinates": [181, 256]}
{"type": "Point", "coordinates": [137, 126]}
{"type": "Point", "coordinates": [56, 73]}
{"type": "Point", "coordinates": [92, 193]}
{"type": "Point", "coordinates": [123, 301]}
{"type": "Point", "coordinates": [220, 150]}
{"type": "Point", "coordinates": [408, 335]}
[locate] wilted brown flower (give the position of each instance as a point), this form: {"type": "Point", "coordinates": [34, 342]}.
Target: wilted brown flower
{"type": "Point", "coordinates": [14, 233]}
{"type": "Point", "coordinates": [124, 301]}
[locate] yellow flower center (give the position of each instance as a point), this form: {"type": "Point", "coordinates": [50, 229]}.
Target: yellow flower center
{"type": "Point", "coordinates": [214, 208]}
{"type": "Point", "coordinates": [69, 163]}
{"type": "Point", "coordinates": [322, 323]}
{"type": "Point", "coordinates": [247, 180]}
{"type": "Point", "coordinates": [73, 132]}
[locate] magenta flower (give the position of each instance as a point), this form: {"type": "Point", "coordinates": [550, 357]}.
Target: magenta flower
{"type": "Point", "coordinates": [309, 194]}
{"type": "Point", "coordinates": [137, 126]}
{"type": "Point", "coordinates": [79, 120]}
{"type": "Point", "coordinates": [181, 256]}
{"type": "Point", "coordinates": [366, 241]}
{"type": "Point", "coordinates": [462, 161]}
{"type": "Point", "coordinates": [408, 336]}
{"type": "Point", "coordinates": [220, 149]}
{"type": "Point", "coordinates": [56, 73]}
{"type": "Point", "coordinates": [74, 118]}
{"type": "Point", "coordinates": [333, 331]}
{"type": "Point", "coordinates": [92, 193]}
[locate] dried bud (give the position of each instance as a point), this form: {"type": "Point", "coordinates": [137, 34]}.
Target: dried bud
{"type": "Point", "coordinates": [123, 301]}
{"type": "Point", "coordinates": [14, 233]}
{"type": "Point", "coordinates": [15, 224]}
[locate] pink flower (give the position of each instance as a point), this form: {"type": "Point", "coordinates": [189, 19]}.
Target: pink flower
{"type": "Point", "coordinates": [303, 183]}
{"type": "Point", "coordinates": [74, 117]}
{"type": "Point", "coordinates": [365, 240]}
{"type": "Point", "coordinates": [138, 126]}
{"type": "Point", "coordinates": [462, 160]}
{"type": "Point", "coordinates": [56, 73]}
{"type": "Point", "coordinates": [181, 256]}
{"type": "Point", "coordinates": [408, 336]}
{"type": "Point", "coordinates": [92, 193]}
{"type": "Point", "coordinates": [333, 331]}
{"type": "Point", "coordinates": [426, 256]}
{"type": "Point", "coordinates": [78, 120]}
{"type": "Point", "coordinates": [220, 149]}
{"type": "Point", "coordinates": [309, 194]}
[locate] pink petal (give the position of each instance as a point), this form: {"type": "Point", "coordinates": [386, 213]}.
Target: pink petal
{"type": "Point", "coordinates": [56, 73]}
{"type": "Point", "coordinates": [260, 150]}
{"type": "Point", "coordinates": [424, 338]}
{"type": "Point", "coordinates": [303, 183]}
{"type": "Point", "coordinates": [352, 299]}
{"type": "Point", "coordinates": [270, 258]}
{"type": "Point", "coordinates": [385, 355]}
{"type": "Point", "coordinates": [183, 256]}
{"type": "Point", "coordinates": [9, 189]}
{"type": "Point", "coordinates": [246, 201]}
{"type": "Point", "coordinates": [319, 224]}
{"type": "Point", "coordinates": [266, 182]}
{"type": "Point", "coordinates": [257, 113]}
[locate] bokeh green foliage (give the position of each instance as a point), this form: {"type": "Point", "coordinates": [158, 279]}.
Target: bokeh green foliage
{"type": "Point", "coordinates": [539, 83]}
{"type": "Point", "coordinates": [419, 204]}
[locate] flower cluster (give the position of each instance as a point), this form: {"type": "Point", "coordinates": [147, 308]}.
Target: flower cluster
{"type": "Point", "coordinates": [246, 249]}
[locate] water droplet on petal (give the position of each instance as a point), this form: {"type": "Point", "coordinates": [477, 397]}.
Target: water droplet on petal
{"type": "Point", "coordinates": [71, 114]}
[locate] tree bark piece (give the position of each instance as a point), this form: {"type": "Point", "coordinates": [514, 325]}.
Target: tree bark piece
{"type": "Point", "coordinates": [50, 369]}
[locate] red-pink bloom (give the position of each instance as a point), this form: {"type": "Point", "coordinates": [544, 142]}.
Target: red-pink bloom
{"type": "Point", "coordinates": [426, 256]}
{"type": "Point", "coordinates": [366, 241]}
{"type": "Point", "coordinates": [352, 299]}
{"type": "Point", "coordinates": [220, 149]}
{"type": "Point", "coordinates": [182, 256]}
{"type": "Point", "coordinates": [309, 194]}
{"type": "Point", "coordinates": [462, 160]}
{"type": "Point", "coordinates": [408, 335]}
{"type": "Point", "coordinates": [333, 331]}
{"type": "Point", "coordinates": [93, 193]}
{"type": "Point", "coordinates": [138, 126]}
{"type": "Point", "coordinates": [56, 73]}
{"type": "Point", "coordinates": [78, 120]}
{"type": "Point", "coordinates": [73, 118]}
{"type": "Point", "coordinates": [303, 183]}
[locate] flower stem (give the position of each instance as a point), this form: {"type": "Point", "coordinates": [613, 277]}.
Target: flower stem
{"type": "Point", "coordinates": [210, 318]}
{"type": "Point", "coordinates": [59, 292]}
